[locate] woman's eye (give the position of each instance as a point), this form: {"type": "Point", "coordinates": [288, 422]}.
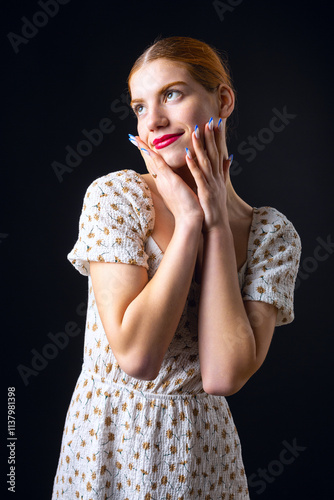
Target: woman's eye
{"type": "Point", "coordinates": [171, 95]}
{"type": "Point", "coordinates": [138, 109]}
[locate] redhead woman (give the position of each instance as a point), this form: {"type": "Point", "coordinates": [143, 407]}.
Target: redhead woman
{"type": "Point", "coordinates": [186, 283]}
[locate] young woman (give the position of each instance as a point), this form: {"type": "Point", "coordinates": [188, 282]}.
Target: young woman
{"type": "Point", "coordinates": [186, 285]}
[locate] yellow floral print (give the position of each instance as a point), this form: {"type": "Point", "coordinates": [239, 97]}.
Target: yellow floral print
{"type": "Point", "coordinates": [165, 438]}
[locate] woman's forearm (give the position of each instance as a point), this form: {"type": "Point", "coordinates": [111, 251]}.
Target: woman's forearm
{"type": "Point", "coordinates": [151, 319]}
{"type": "Point", "coordinates": [227, 346]}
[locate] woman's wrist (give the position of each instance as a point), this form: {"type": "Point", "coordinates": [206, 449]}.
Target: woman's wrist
{"type": "Point", "coordinates": [188, 223]}
{"type": "Point", "coordinates": [221, 229]}
{"type": "Point", "coordinates": [189, 230]}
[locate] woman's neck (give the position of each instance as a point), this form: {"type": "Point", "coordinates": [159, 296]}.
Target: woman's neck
{"type": "Point", "coordinates": [237, 208]}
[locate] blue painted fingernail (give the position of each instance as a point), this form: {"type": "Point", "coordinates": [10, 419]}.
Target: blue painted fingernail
{"type": "Point", "coordinates": [197, 132]}
{"type": "Point", "coordinates": [145, 150]}
{"type": "Point", "coordinates": [231, 159]}
{"type": "Point", "coordinates": [131, 136]}
{"type": "Point", "coordinates": [220, 124]}
{"type": "Point", "coordinates": [189, 154]}
{"type": "Point", "coordinates": [211, 123]}
{"type": "Point", "coordinates": [134, 142]}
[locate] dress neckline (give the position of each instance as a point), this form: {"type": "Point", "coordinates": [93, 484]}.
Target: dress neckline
{"type": "Point", "coordinates": [160, 252]}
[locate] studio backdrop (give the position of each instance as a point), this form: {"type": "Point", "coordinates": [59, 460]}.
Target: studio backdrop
{"type": "Point", "coordinates": [65, 122]}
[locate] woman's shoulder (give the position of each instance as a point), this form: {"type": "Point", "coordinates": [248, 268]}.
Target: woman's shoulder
{"type": "Point", "coordinates": [122, 193]}
{"type": "Point", "coordinates": [125, 181]}
{"type": "Point", "coordinates": [270, 227]}
{"type": "Point", "coordinates": [273, 262]}
{"type": "Point", "coordinates": [270, 216]}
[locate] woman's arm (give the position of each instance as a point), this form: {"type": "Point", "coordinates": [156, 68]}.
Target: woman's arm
{"type": "Point", "coordinates": [232, 344]}
{"type": "Point", "coordinates": [139, 316]}
{"type": "Point", "coordinates": [234, 336]}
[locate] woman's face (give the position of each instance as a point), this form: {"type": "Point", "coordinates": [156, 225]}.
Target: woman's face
{"type": "Point", "coordinates": [168, 102]}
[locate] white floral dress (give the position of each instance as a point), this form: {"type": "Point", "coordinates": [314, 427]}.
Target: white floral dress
{"type": "Point", "coordinates": [131, 439]}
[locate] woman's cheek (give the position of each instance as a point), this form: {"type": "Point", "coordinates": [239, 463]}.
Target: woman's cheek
{"type": "Point", "coordinates": [141, 132]}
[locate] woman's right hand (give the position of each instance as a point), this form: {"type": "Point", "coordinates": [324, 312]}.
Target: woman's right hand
{"type": "Point", "coordinates": [179, 198]}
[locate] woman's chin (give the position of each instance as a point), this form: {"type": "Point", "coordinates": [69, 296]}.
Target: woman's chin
{"type": "Point", "coordinates": [175, 161]}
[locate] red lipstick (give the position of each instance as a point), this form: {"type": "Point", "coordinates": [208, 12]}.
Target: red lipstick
{"type": "Point", "coordinates": [165, 140]}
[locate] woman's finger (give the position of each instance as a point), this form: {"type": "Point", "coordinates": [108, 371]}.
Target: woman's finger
{"type": "Point", "coordinates": [144, 152]}
{"type": "Point", "coordinates": [195, 171]}
{"type": "Point", "coordinates": [226, 166]}
{"type": "Point", "coordinates": [219, 137]}
{"type": "Point", "coordinates": [202, 157]}
{"type": "Point", "coordinates": [211, 146]}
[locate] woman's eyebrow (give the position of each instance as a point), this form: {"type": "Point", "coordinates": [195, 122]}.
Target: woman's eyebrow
{"type": "Point", "coordinates": [161, 91]}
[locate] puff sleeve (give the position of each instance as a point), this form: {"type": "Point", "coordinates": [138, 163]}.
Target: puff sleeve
{"type": "Point", "coordinates": [117, 218]}
{"type": "Point", "coordinates": [274, 255]}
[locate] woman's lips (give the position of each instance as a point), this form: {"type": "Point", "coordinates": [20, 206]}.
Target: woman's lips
{"type": "Point", "coordinates": [166, 140]}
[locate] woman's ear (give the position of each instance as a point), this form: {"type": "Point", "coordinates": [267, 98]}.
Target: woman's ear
{"type": "Point", "coordinates": [226, 100]}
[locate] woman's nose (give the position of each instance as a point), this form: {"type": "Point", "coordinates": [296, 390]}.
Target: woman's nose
{"type": "Point", "coordinates": [156, 117]}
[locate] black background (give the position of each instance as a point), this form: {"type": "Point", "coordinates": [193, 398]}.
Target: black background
{"type": "Point", "coordinates": [64, 80]}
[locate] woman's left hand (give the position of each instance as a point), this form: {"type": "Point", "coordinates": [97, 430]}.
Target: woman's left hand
{"type": "Point", "coordinates": [209, 170]}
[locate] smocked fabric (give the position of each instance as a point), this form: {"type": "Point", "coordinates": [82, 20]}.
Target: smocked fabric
{"type": "Point", "coordinates": [166, 438]}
